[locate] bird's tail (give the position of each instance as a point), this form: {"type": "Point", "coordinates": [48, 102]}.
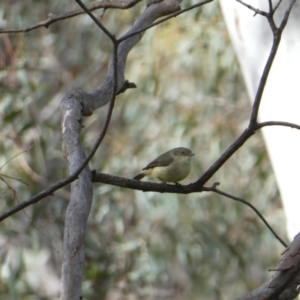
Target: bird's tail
{"type": "Point", "coordinates": [139, 177]}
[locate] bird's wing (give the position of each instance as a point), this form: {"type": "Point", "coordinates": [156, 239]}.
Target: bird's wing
{"type": "Point", "coordinates": [158, 162]}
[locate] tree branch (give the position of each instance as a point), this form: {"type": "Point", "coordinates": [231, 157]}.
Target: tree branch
{"type": "Point", "coordinates": [255, 210]}
{"type": "Point", "coordinates": [173, 15]}
{"type": "Point", "coordinates": [276, 123]}
{"type": "Point", "coordinates": [74, 107]}
{"type": "Point", "coordinates": [99, 97]}
{"type": "Point", "coordinates": [277, 32]}
{"type": "Point", "coordinates": [52, 18]}
{"type": "Point", "coordinates": [175, 189]}
{"type": "Point", "coordinates": [124, 182]}
{"type": "Point", "coordinates": [252, 127]}
{"type": "Point", "coordinates": [284, 283]}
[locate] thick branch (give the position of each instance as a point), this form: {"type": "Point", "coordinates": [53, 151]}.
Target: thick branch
{"type": "Point", "coordinates": [80, 202]}
{"type": "Point", "coordinates": [73, 107]}
{"type": "Point", "coordinates": [283, 284]}
{"type": "Point", "coordinates": [102, 94]}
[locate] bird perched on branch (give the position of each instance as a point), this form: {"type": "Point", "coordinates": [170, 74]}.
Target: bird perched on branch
{"type": "Point", "coordinates": [172, 166]}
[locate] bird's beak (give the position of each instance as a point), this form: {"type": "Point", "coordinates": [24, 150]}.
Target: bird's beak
{"type": "Point", "coordinates": [192, 154]}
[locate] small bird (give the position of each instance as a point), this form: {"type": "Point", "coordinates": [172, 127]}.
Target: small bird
{"type": "Point", "coordinates": [172, 166]}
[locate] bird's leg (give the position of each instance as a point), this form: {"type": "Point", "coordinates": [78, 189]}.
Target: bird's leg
{"type": "Point", "coordinates": [166, 188]}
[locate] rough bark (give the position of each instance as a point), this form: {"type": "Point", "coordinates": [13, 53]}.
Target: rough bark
{"type": "Point", "coordinates": [74, 107]}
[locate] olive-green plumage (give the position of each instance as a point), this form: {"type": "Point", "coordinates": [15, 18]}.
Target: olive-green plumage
{"type": "Point", "coordinates": [172, 166]}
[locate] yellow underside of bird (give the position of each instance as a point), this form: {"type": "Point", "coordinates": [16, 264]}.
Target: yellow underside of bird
{"type": "Point", "coordinates": [175, 172]}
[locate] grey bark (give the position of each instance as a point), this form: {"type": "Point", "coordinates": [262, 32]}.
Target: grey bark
{"type": "Point", "coordinates": [74, 107]}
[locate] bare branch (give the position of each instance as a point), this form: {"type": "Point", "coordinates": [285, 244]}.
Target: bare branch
{"type": "Point", "coordinates": [257, 11]}
{"type": "Point", "coordinates": [9, 187]}
{"type": "Point", "coordinates": [52, 18]}
{"type": "Point", "coordinates": [264, 77]}
{"type": "Point", "coordinates": [225, 156]}
{"type": "Point", "coordinates": [178, 189]}
{"type": "Point", "coordinates": [173, 15]}
{"type": "Point", "coordinates": [144, 185]}
{"type": "Point", "coordinates": [283, 284]}
{"type": "Point", "coordinates": [14, 178]}
{"type": "Point", "coordinates": [134, 184]}
{"type": "Point", "coordinates": [37, 198]}
{"type": "Point", "coordinates": [277, 32]}
{"type": "Point", "coordinates": [277, 123]}
{"type": "Point", "coordinates": [90, 101]}
{"type": "Point", "coordinates": [82, 190]}
{"type": "Point", "coordinates": [276, 6]}
{"type": "Point", "coordinates": [270, 5]}
{"type": "Point", "coordinates": [252, 127]}
{"type": "Point", "coordinates": [111, 36]}
{"type": "Point", "coordinates": [12, 158]}
{"type": "Point", "coordinates": [256, 211]}
{"type": "Point", "coordinates": [287, 14]}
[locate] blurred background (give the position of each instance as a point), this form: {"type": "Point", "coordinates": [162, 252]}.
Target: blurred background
{"type": "Point", "coordinates": [139, 245]}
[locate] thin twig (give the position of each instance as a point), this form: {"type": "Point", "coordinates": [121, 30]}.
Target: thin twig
{"type": "Point", "coordinates": [254, 209]}
{"type": "Point", "coordinates": [9, 160]}
{"type": "Point", "coordinates": [14, 178]}
{"type": "Point", "coordinates": [55, 18]}
{"type": "Point", "coordinates": [276, 6]}
{"type": "Point", "coordinates": [277, 123]}
{"type": "Point", "coordinates": [286, 15]}
{"type": "Point", "coordinates": [9, 187]}
{"type": "Point", "coordinates": [257, 11]}
{"type": "Point", "coordinates": [37, 197]}
{"type": "Point", "coordinates": [111, 36]}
